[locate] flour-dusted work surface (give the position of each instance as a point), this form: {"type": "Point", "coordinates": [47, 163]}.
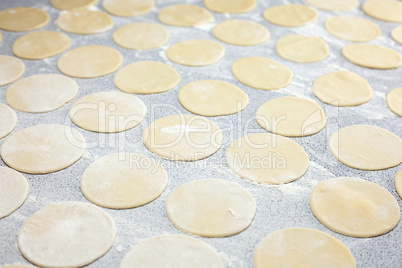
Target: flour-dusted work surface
{"type": "Point", "coordinates": [278, 207]}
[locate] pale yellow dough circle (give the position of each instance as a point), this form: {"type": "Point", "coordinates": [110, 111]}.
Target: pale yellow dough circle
{"type": "Point", "coordinates": [302, 49]}
{"type": "Point", "coordinates": [261, 73]}
{"type": "Point", "coordinates": [386, 10]}
{"type": "Point", "coordinates": [66, 234]}
{"type": "Point", "coordinates": [43, 148]}
{"type": "Point", "coordinates": [291, 116]}
{"type": "Point", "coordinates": [11, 69]}
{"type": "Point", "coordinates": [72, 4]}
{"type": "Point", "coordinates": [366, 147]}
{"type": "Point", "coordinates": [173, 250]}
{"type": "Point", "coordinates": [184, 15]}
{"type": "Point", "coordinates": [127, 8]}
{"type": "Point", "coordinates": [212, 98]}
{"type": "Point", "coordinates": [146, 77]}
{"type": "Point", "coordinates": [41, 93]}
{"type": "Point", "coordinates": [90, 61]}
{"type": "Point", "coordinates": [40, 45]}
{"type": "Point", "coordinates": [342, 88]}
{"type": "Point", "coordinates": [183, 137]}
{"type": "Point", "coordinates": [84, 21]}
{"type": "Point", "coordinates": [141, 35]}
{"type": "Point", "coordinates": [22, 19]}
{"type": "Point", "coordinates": [302, 247]}
{"type": "Point", "coordinates": [394, 100]}
{"type": "Point", "coordinates": [230, 6]}
{"type": "Point", "coordinates": [267, 158]}
{"type": "Point", "coordinates": [398, 183]}
{"type": "Point", "coordinates": [334, 5]}
{"type": "Point", "coordinates": [13, 191]}
{"type": "Point", "coordinates": [195, 52]}
{"type": "Point", "coordinates": [211, 208]}
{"type": "Point", "coordinates": [353, 29]}
{"type": "Point", "coordinates": [241, 32]}
{"type": "Point", "coordinates": [291, 15]}
{"type": "Point", "coordinates": [108, 112]}
{"type": "Point", "coordinates": [354, 207]}
{"type": "Point", "coordinates": [396, 34]}
{"type": "Point", "coordinates": [8, 120]}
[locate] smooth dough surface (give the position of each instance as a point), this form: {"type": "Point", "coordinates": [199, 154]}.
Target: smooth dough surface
{"type": "Point", "coordinates": [108, 112]}
{"type": "Point", "coordinates": [127, 8]}
{"type": "Point", "coordinates": [41, 93]}
{"type": "Point", "coordinates": [11, 69]}
{"type": "Point", "coordinates": [183, 137]}
{"type": "Point", "coordinates": [267, 158]}
{"type": "Point", "coordinates": [366, 147]}
{"type": "Point", "coordinates": [13, 191]}
{"type": "Point", "coordinates": [342, 88]}
{"type": "Point", "coordinates": [90, 61]}
{"type": "Point", "coordinates": [353, 29]}
{"type": "Point", "coordinates": [261, 73]}
{"type": "Point", "coordinates": [241, 32]}
{"type": "Point", "coordinates": [302, 247]}
{"type": "Point", "coordinates": [354, 207]}
{"type": "Point", "coordinates": [211, 208]}
{"type": "Point", "coordinates": [71, 4]}
{"type": "Point", "coordinates": [173, 250]}
{"type": "Point", "coordinates": [302, 49]}
{"type": "Point", "coordinates": [386, 10]}
{"type": "Point", "coordinates": [84, 21]}
{"type": "Point", "coordinates": [184, 15]}
{"type": "Point", "coordinates": [334, 5]}
{"type": "Point", "coordinates": [398, 183]}
{"type": "Point", "coordinates": [230, 6]}
{"type": "Point", "coordinates": [394, 100]}
{"type": "Point", "coordinates": [8, 120]}
{"type": "Point", "coordinates": [212, 98]}
{"type": "Point", "coordinates": [66, 234]}
{"type": "Point", "coordinates": [396, 34]}
{"type": "Point", "coordinates": [43, 149]}
{"type": "Point", "coordinates": [40, 45]}
{"type": "Point", "coordinates": [146, 77]}
{"type": "Point", "coordinates": [291, 116]}
{"type": "Point", "coordinates": [22, 19]}
{"type": "Point", "coordinates": [291, 15]}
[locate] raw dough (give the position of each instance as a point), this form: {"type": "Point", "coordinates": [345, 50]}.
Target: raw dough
{"type": "Point", "coordinates": [241, 32]}
{"type": "Point", "coordinates": [398, 183]}
{"type": "Point", "coordinates": [146, 77]}
{"type": "Point", "coordinates": [212, 98]}
{"type": "Point", "coordinates": [43, 148]}
{"type": "Point", "coordinates": [66, 234]}
{"type": "Point", "coordinates": [8, 120]}
{"type": "Point", "coordinates": [108, 112]}
{"type": "Point", "coordinates": [394, 100]}
{"type": "Point", "coordinates": [183, 137]}
{"type": "Point", "coordinates": [195, 52]}
{"type": "Point", "coordinates": [40, 45]}
{"type": "Point", "coordinates": [354, 207]}
{"type": "Point", "coordinates": [302, 49]}
{"type": "Point", "coordinates": [141, 35]}
{"type": "Point", "coordinates": [230, 6]}
{"type": "Point", "coordinates": [128, 8]}
{"type": "Point", "coordinates": [41, 93]}
{"type": "Point", "coordinates": [123, 180]}
{"type": "Point", "coordinates": [396, 34]}
{"type": "Point", "coordinates": [290, 15]}
{"type": "Point", "coordinates": [342, 88]}
{"type": "Point", "coordinates": [353, 29]}
{"type": "Point", "coordinates": [13, 191]}
{"type": "Point", "coordinates": [302, 247]}
{"type": "Point", "coordinates": [386, 10]}
{"type": "Point", "coordinates": [184, 15]}
{"type": "Point", "coordinates": [84, 21]}
{"type": "Point", "coordinates": [334, 5]}
{"type": "Point", "coordinates": [90, 61]}
{"type": "Point", "coordinates": [11, 69]}
{"type": "Point", "coordinates": [211, 208]}
{"type": "Point", "coordinates": [267, 158]}
{"type": "Point", "coordinates": [261, 73]}
{"type": "Point", "coordinates": [291, 116]}
{"type": "Point", "coordinates": [22, 19]}
{"type": "Point", "coordinates": [71, 4]}
{"type": "Point", "coordinates": [366, 147]}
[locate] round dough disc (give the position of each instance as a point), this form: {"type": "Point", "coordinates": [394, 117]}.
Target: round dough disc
{"type": "Point", "coordinates": [43, 149]}
{"type": "Point", "coordinates": [141, 35]}
{"type": "Point", "coordinates": [84, 21]}
{"type": "Point", "coordinates": [172, 250]}
{"type": "Point", "coordinates": [66, 234]}
{"type": "Point", "coordinates": [195, 52]}
{"type": "Point", "coordinates": [386, 10]}
{"type": "Point", "coordinates": [212, 98]}
{"type": "Point", "coordinates": [183, 137]}
{"type": "Point", "coordinates": [366, 147]}
{"type": "Point", "coordinates": [398, 183]}
{"type": "Point", "coordinates": [302, 49]}
{"type": "Point", "coordinates": [184, 15]}
{"type": "Point", "coordinates": [22, 19]}
{"type": "Point", "coordinates": [123, 180]}
{"type": "Point", "coordinates": [8, 120]}
{"type": "Point", "coordinates": [11, 69]}
{"type": "Point", "coordinates": [71, 4]}
{"type": "Point", "coordinates": [41, 93]}
{"type": "Point", "coordinates": [40, 45]}
{"type": "Point", "coordinates": [108, 112]}
{"type": "Point", "coordinates": [334, 5]}
{"type": "Point", "coordinates": [261, 73]}
{"type": "Point", "coordinates": [267, 158]}
{"type": "Point", "coordinates": [128, 8]}
{"type": "Point", "coordinates": [146, 77]}
{"type": "Point", "coordinates": [302, 247]}
{"type": "Point", "coordinates": [241, 32]}
{"type": "Point", "coordinates": [90, 61]}
{"type": "Point", "coordinates": [291, 116]}
{"type": "Point", "coordinates": [211, 208]}
{"type": "Point", "coordinates": [354, 207]}
{"type": "Point", "coordinates": [230, 6]}
{"type": "Point", "coordinates": [342, 88]}
{"type": "Point", "coordinates": [394, 100]}
{"type": "Point", "coordinates": [291, 15]}
{"type": "Point", "coordinates": [13, 191]}
{"type": "Point", "coordinates": [353, 29]}
{"type": "Point", "coordinates": [396, 34]}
